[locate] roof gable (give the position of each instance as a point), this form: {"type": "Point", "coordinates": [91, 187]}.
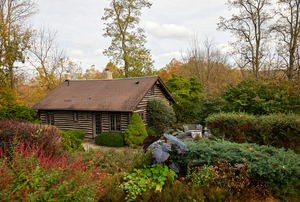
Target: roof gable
{"type": "Point", "coordinates": [98, 95]}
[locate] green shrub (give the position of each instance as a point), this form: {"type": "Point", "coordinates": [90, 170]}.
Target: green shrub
{"type": "Point", "coordinates": [160, 114]}
{"type": "Point", "coordinates": [233, 126]}
{"type": "Point", "coordinates": [48, 138]}
{"type": "Point", "coordinates": [136, 131]}
{"type": "Point", "coordinates": [277, 130]}
{"type": "Point", "coordinates": [277, 168]}
{"type": "Point", "coordinates": [209, 105]}
{"type": "Point", "coordinates": [262, 97]}
{"type": "Point", "coordinates": [153, 132]}
{"type": "Point", "coordinates": [110, 139]}
{"type": "Point", "coordinates": [145, 179]}
{"type": "Point", "coordinates": [72, 140]}
{"type": "Point", "coordinates": [19, 112]}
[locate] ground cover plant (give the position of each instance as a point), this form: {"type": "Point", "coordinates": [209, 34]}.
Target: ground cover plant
{"type": "Point", "coordinates": [27, 173]}
{"type": "Point", "coordinates": [277, 168]}
{"type": "Point", "coordinates": [110, 139]}
{"type": "Point", "coordinates": [141, 180]}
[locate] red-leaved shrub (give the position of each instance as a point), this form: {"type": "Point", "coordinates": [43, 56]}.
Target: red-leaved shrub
{"type": "Point", "coordinates": [27, 173]}
{"type": "Point", "coordinates": [48, 138]}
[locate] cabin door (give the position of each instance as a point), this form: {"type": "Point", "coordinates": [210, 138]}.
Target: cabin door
{"type": "Point", "coordinates": [98, 122]}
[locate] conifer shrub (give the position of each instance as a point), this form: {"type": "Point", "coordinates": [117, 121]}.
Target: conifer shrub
{"type": "Point", "coordinates": [160, 114]}
{"type": "Point", "coordinates": [110, 139]}
{"type": "Point", "coordinates": [19, 113]}
{"type": "Point", "coordinates": [136, 131]}
{"type": "Point", "coordinates": [72, 140]}
{"type": "Point", "coordinates": [153, 132]}
{"type": "Point", "coordinates": [277, 168]}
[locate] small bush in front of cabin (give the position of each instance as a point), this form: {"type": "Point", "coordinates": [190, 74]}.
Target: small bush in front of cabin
{"type": "Point", "coordinates": [72, 140]}
{"type": "Point", "coordinates": [136, 131]}
{"type": "Point", "coordinates": [160, 114]}
{"type": "Point", "coordinates": [48, 138]}
{"type": "Point", "coordinates": [233, 126]}
{"type": "Point", "coordinates": [110, 139]}
{"type": "Point", "coordinates": [19, 113]}
{"type": "Point", "coordinates": [277, 168]}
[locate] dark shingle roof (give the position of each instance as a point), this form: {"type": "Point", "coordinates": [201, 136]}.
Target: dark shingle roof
{"type": "Point", "coordinates": [99, 95]}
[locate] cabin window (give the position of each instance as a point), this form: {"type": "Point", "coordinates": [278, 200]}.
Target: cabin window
{"type": "Point", "coordinates": [75, 116]}
{"type": "Point", "coordinates": [142, 115]}
{"type": "Point", "coordinates": [152, 90]}
{"type": "Point", "coordinates": [50, 118]}
{"type": "Point", "coordinates": [115, 122]}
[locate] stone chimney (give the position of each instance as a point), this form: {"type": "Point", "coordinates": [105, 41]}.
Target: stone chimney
{"type": "Point", "coordinates": [68, 77]}
{"type": "Point", "coordinates": [107, 74]}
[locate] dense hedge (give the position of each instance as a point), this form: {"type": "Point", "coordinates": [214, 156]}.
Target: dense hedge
{"type": "Point", "coordinates": [19, 112]}
{"type": "Point", "coordinates": [278, 168]}
{"type": "Point", "coordinates": [136, 131]}
{"type": "Point", "coordinates": [72, 140]}
{"type": "Point", "coordinates": [48, 138]}
{"type": "Point", "coordinates": [110, 139]}
{"type": "Point", "coordinates": [278, 130]}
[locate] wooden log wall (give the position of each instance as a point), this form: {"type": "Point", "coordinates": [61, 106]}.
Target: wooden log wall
{"type": "Point", "coordinates": [142, 106]}
{"type": "Point", "coordinates": [64, 121]}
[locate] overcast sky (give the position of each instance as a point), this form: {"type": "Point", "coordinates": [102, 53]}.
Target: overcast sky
{"type": "Point", "coordinates": [169, 26]}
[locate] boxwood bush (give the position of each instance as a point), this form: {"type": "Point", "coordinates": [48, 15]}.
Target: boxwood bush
{"type": "Point", "coordinates": [72, 140]}
{"type": "Point", "coordinates": [110, 139]}
{"type": "Point", "coordinates": [277, 168]}
{"type": "Point", "coordinates": [279, 130]}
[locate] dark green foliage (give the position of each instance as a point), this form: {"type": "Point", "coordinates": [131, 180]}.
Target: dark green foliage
{"type": "Point", "coordinates": [209, 105]}
{"type": "Point", "coordinates": [136, 131]}
{"type": "Point", "coordinates": [262, 97]}
{"type": "Point", "coordinates": [277, 168]}
{"type": "Point", "coordinates": [160, 114]}
{"type": "Point", "coordinates": [48, 138]}
{"type": "Point", "coordinates": [278, 130]}
{"type": "Point", "coordinates": [188, 97]}
{"type": "Point", "coordinates": [72, 140]}
{"type": "Point", "coordinates": [110, 139]}
{"type": "Point", "coordinates": [153, 132]}
{"type": "Point", "coordinates": [18, 112]}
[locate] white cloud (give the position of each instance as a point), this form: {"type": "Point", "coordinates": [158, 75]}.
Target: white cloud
{"type": "Point", "coordinates": [77, 52]}
{"type": "Point", "coordinates": [168, 30]}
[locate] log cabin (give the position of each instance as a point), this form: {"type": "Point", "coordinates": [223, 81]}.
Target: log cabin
{"type": "Point", "coordinates": [99, 106]}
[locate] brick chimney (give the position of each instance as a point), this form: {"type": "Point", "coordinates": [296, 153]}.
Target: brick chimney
{"type": "Point", "coordinates": [68, 77]}
{"type": "Point", "coordinates": [107, 74]}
